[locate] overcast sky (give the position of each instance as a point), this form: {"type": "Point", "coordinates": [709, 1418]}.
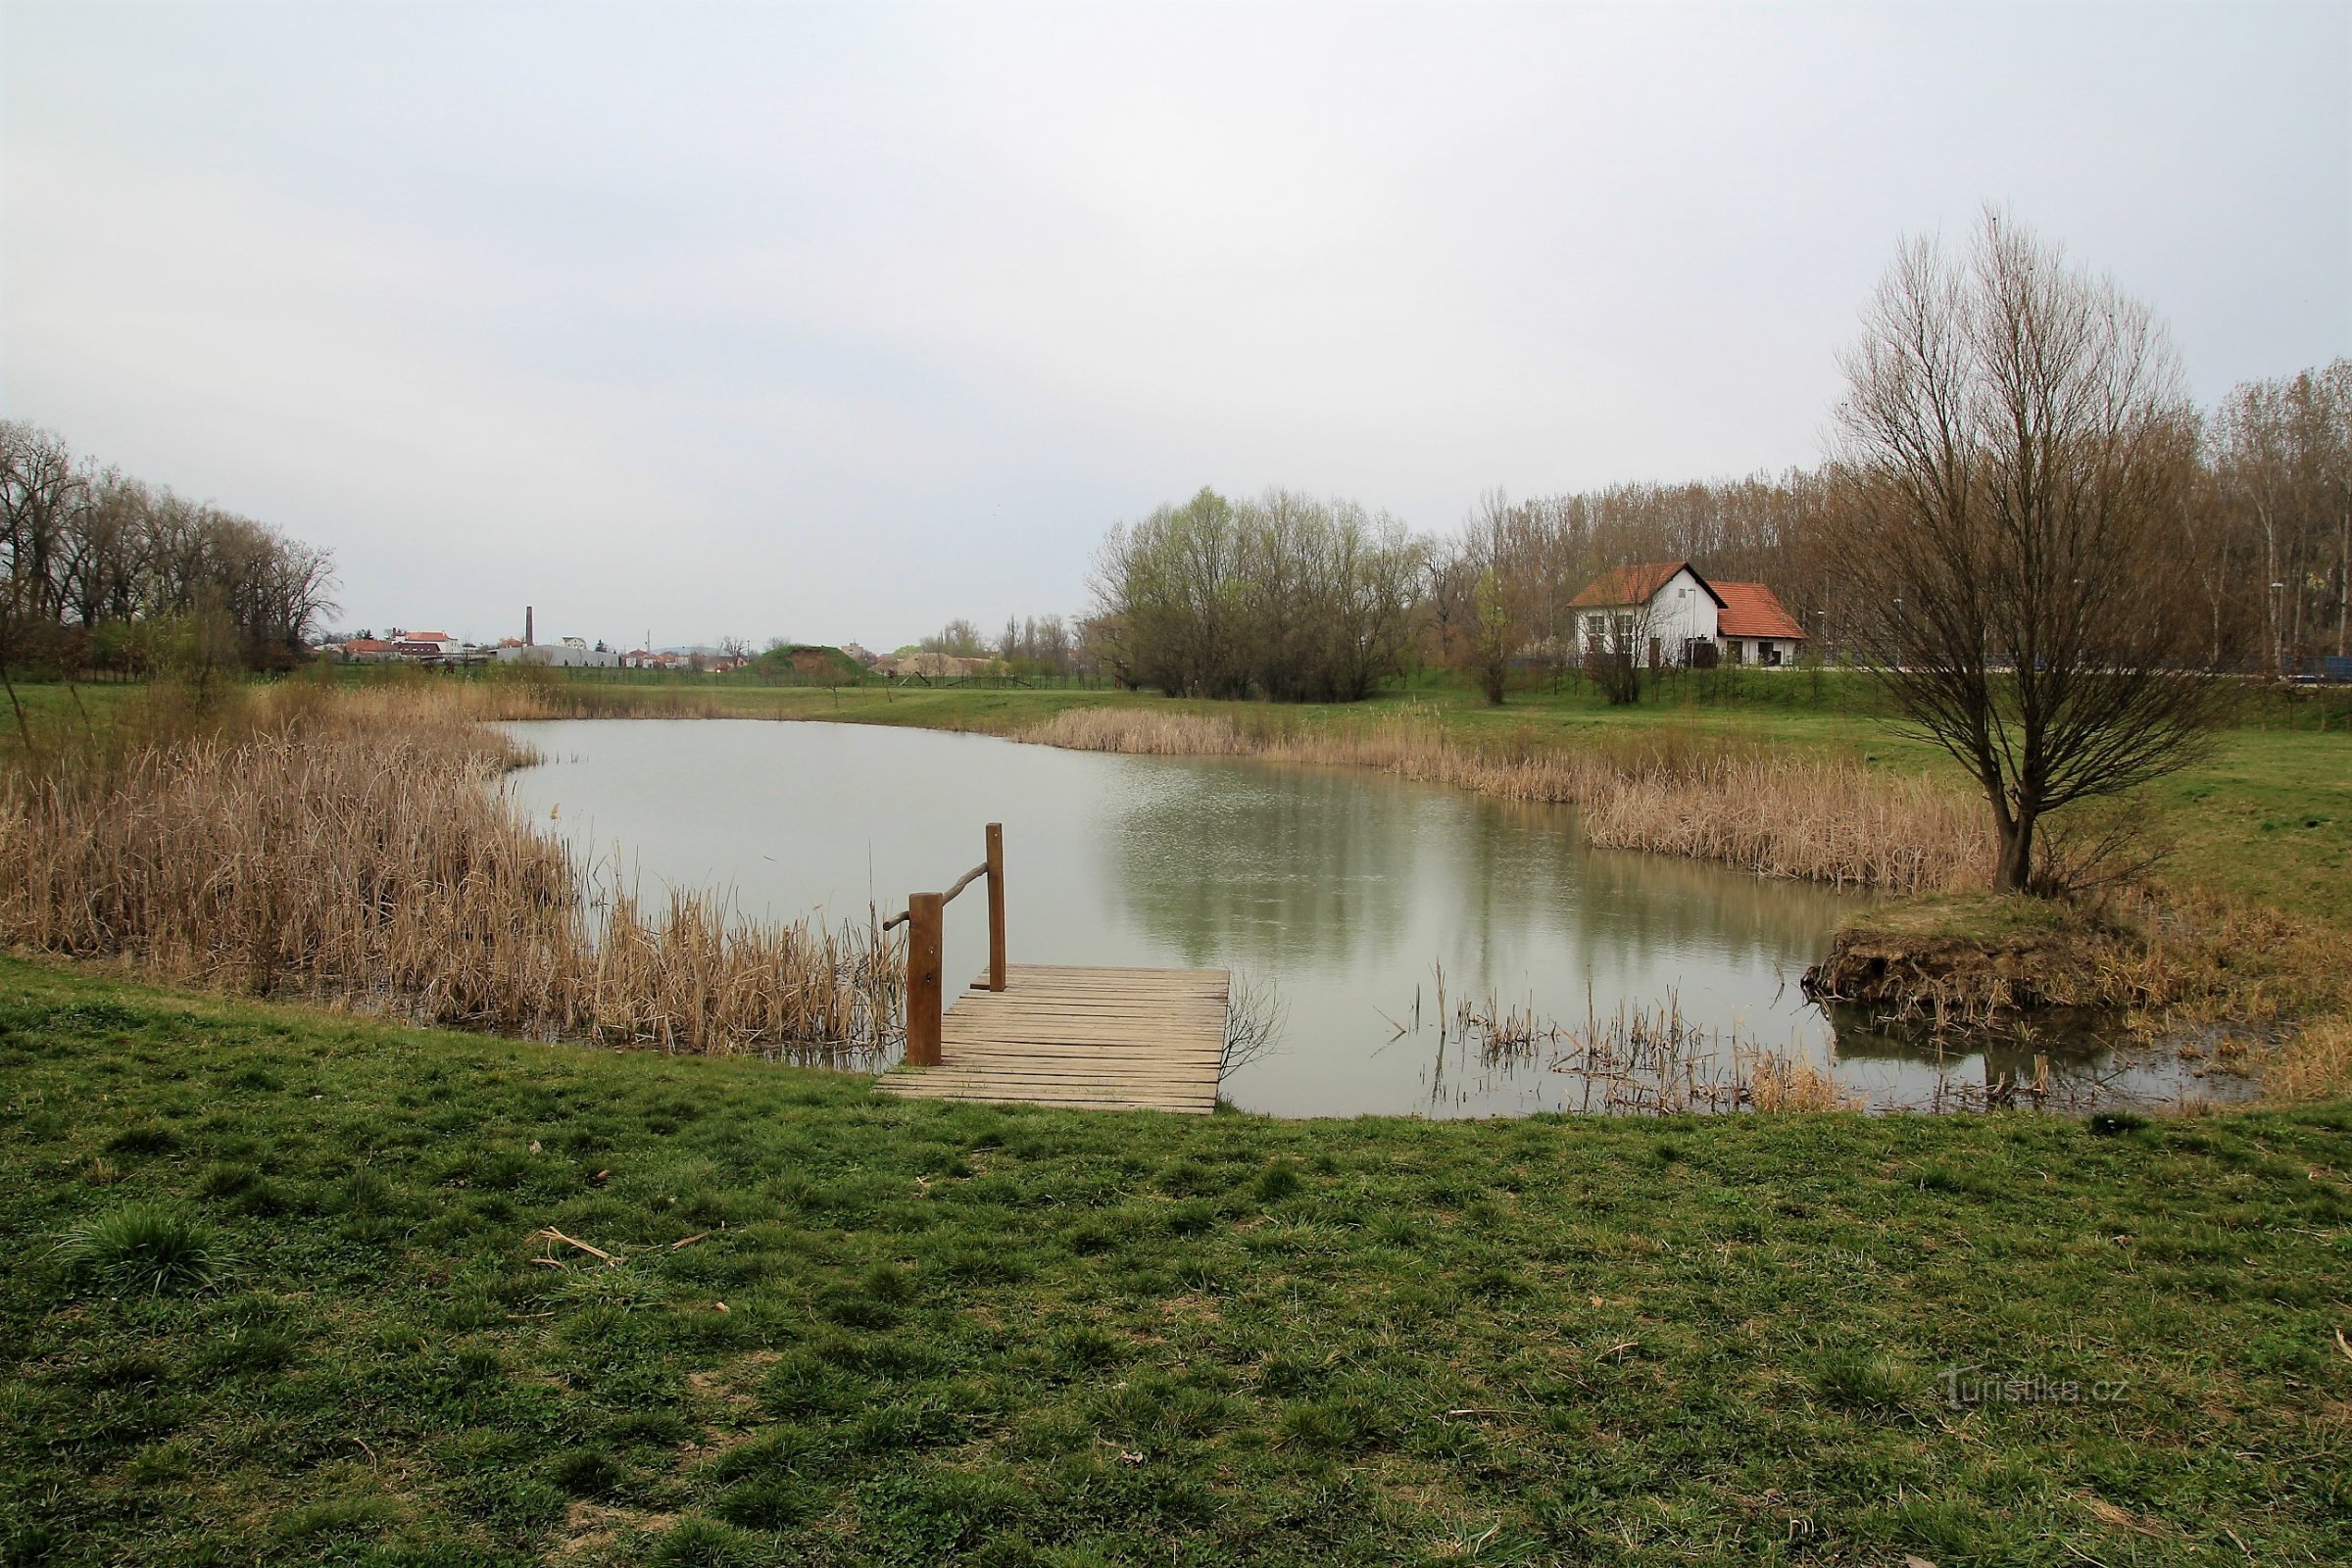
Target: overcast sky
{"type": "Point", "coordinates": [832, 322]}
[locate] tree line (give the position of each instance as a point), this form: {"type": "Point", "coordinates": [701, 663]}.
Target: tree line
{"type": "Point", "coordinates": [103, 571]}
{"type": "Point", "coordinates": [1287, 597]}
{"type": "Point", "coordinates": [1293, 599]}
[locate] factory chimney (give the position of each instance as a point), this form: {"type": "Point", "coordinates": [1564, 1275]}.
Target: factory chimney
{"type": "Point", "coordinates": [526, 626]}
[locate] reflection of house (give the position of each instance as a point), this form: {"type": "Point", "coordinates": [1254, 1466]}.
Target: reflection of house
{"type": "Point", "coordinates": [1664, 612]}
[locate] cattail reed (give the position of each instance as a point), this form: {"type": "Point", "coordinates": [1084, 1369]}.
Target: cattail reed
{"type": "Point", "coordinates": [1670, 791]}
{"type": "Point", "coordinates": [359, 849]}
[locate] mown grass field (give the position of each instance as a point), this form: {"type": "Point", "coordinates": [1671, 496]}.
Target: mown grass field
{"type": "Point", "coordinates": [277, 1291]}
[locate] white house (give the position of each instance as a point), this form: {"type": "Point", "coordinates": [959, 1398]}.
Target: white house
{"type": "Point", "coordinates": [1664, 612]}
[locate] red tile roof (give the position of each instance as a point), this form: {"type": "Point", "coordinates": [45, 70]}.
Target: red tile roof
{"type": "Point", "coordinates": [1751, 610]}
{"type": "Point", "coordinates": [1635, 585]}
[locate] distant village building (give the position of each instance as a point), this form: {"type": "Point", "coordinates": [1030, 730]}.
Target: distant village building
{"type": "Point", "coordinates": [572, 653]}
{"type": "Point", "coordinates": [425, 645]}
{"type": "Point", "coordinates": [1672, 615]}
{"type": "Point", "coordinates": [868, 659]}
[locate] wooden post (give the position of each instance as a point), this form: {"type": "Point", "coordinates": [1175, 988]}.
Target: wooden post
{"type": "Point", "coordinates": [923, 978]}
{"type": "Point", "coordinates": [996, 905]}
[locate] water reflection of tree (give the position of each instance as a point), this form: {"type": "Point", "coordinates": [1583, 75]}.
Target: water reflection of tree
{"type": "Point", "coordinates": [1625, 912]}
{"type": "Point", "coordinates": [1277, 866]}
{"type": "Point", "coordinates": [1297, 867]}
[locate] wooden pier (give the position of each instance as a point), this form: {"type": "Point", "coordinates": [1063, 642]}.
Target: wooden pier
{"type": "Point", "coordinates": [1094, 1039]}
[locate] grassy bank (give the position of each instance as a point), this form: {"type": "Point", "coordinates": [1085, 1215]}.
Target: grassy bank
{"type": "Point", "coordinates": [334, 1326]}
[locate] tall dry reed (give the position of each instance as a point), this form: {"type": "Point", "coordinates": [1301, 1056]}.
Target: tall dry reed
{"type": "Point", "coordinates": [2315, 1063]}
{"type": "Point", "coordinates": [359, 849]}
{"type": "Point", "coordinates": [1670, 791]}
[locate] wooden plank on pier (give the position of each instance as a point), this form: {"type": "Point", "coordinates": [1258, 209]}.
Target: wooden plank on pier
{"type": "Point", "coordinates": [1090, 1039]}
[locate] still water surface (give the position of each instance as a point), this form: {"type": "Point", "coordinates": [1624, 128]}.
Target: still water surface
{"type": "Point", "coordinates": [1352, 895]}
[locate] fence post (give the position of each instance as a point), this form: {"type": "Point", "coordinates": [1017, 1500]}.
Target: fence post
{"type": "Point", "coordinates": [923, 978]}
{"type": "Point", "coordinates": [996, 905]}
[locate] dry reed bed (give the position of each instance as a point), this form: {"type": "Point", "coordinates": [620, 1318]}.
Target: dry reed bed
{"type": "Point", "coordinates": [1671, 792]}
{"type": "Point", "coordinates": [359, 849]}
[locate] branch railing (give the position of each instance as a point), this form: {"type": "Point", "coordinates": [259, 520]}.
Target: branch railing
{"type": "Point", "coordinates": [926, 919]}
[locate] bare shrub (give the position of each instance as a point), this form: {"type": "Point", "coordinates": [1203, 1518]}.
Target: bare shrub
{"type": "Point", "coordinates": [1254, 1016]}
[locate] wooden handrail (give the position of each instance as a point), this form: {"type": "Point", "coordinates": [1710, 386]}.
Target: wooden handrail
{"type": "Point", "coordinates": [923, 919]}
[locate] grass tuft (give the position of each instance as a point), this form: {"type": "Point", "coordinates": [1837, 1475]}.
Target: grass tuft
{"type": "Point", "coordinates": [145, 1249]}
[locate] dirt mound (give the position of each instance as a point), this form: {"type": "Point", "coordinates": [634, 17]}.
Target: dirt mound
{"type": "Point", "coordinates": [1951, 965]}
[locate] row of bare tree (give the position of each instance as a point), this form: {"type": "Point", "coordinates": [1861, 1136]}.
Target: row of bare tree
{"type": "Point", "coordinates": [99, 570]}
{"type": "Point", "coordinates": [2260, 508]}
{"type": "Point", "coordinates": [1193, 596]}
{"type": "Point", "coordinates": [2271, 521]}
{"type": "Point", "coordinates": [1286, 597]}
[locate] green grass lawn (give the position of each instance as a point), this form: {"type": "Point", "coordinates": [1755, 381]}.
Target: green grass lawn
{"type": "Point", "coordinates": [276, 1291]}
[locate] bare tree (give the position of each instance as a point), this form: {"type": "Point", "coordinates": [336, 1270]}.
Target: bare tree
{"type": "Point", "coordinates": [1619, 648]}
{"type": "Point", "coordinates": [2016, 443]}
{"type": "Point", "coordinates": [957, 639]}
{"type": "Point", "coordinates": [1476, 597]}
{"type": "Point", "coordinates": [2282, 466]}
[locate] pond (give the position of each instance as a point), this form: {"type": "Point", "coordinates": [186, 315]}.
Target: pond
{"type": "Point", "coordinates": [1421, 950]}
